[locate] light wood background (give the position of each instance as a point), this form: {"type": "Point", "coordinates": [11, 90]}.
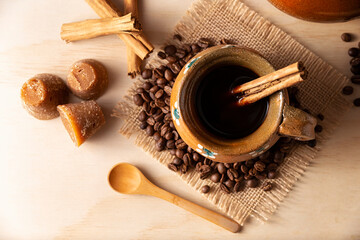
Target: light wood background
{"type": "Point", "coordinates": [51, 189]}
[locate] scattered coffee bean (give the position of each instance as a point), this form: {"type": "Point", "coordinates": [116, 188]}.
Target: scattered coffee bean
{"type": "Point", "coordinates": [353, 52]}
{"type": "Point", "coordinates": [348, 90]}
{"type": "Point", "coordinates": [252, 183]}
{"type": "Point", "coordinates": [267, 186]}
{"type": "Point", "coordinates": [224, 41]}
{"type": "Point", "coordinates": [142, 116]}
{"type": "Point", "coordinates": [171, 59]}
{"type": "Point", "coordinates": [204, 43]}
{"type": "Point", "coordinates": [161, 55]}
{"type": "Point", "coordinates": [229, 184]}
{"type": "Point", "coordinates": [346, 37]}
{"type": "Point", "coordinates": [205, 189]}
{"type": "Point", "coordinates": [357, 102]}
{"type": "Point", "coordinates": [318, 128]}
{"type": "Point", "coordinates": [355, 79]}
{"type": "Point", "coordinates": [146, 74]}
{"type": "Point", "coordinates": [170, 50]}
{"type": "Point", "coordinates": [237, 187]}
{"type": "Point", "coordinates": [259, 166]}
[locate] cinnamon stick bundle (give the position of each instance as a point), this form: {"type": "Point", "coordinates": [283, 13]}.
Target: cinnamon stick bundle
{"type": "Point", "coordinates": [97, 27]}
{"type": "Point", "coordinates": [105, 8]}
{"type": "Point", "coordinates": [264, 86]}
{"type": "Point", "coordinates": [134, 62]}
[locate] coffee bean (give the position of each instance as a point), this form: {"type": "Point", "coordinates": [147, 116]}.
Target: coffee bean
{"type": "Point", "coordinates": [224, 188]}
{"type": "Point", "coordinates": [157, 126]}
{"type": "Point", "coordinates": [180, 144]}
{"type": "Point", "coordinates": [158, 73]}
{"type": "Point", "coordinates": [267, 186]}
{"type": "Point", "coordinates": [149, 130]}
{"type": "Point", "coordinates": [271, 166]}
{"type": "Point", "coordinates": [348, 90]}
{"type": "Point", "coordinates": [176, 134]}
{"type": "Point", "coordinates": [180, 53]}
{"type": "Point", "coordinates": [253, 172]}
{"type": "Point", "coordinates": [154, 89]}
{"type": "Point", "coordinates": [318, 128]}
{"type": "Point", "coordinates": [172, 151]}
{"type": "Point", "coordinates": [248, 176]}
{"type": "Point", "coordinates": [159, 93]}
{"type": "Point", "coordinates": [236, 165]}
{"type": "Point", "coordinates": [355, 62]}
{"type": "Point", "coordinates": [158, 117]}
{"type": "Point", "coordinates": [161, 81]}
{"type": "Point", "coordinates": [169, 135]}
{"type": "Point", "coordinates": [229, 184]}
{"type": "Point", "coordinates": [146, 74]}
{"type": "Point", "coordinates": [170, 50]}
{"type": "Point", "coordinates": [195, 48]}
{"type": "Point", "coordinates": [171, 59]}
{"type": "Point", "coordinates": [346, 37]}
{"type": "Point", "coordinates": [160, 144]}
{"type": "Point", "coordinates": [259, 166]}
{"type": "Point", "coordinates": [204, 43]}
{"type": "Point", "coordinates": [353, 52]}
{"type": "Point", "coordinates": [161, 55]}
{"type": "Point", "coordinates": [166, 110]}
{"type": "Point", "coordinates": [146, 97]}
{"type": "Point", "coordinates": [244, 169]}
{"type": "Point", "coordinates": [168, 75]}
{"type": "Point", "coordinates": [224, 41]}
{"type": "Point", "coordinates": [167, 101]}
{"type": "Point", "coordinates": [187, 159]}
{"type": "Point", "coordinates": [187, 57]}
{"type": "Point", "coordinates": [261, 176]}
{"type": "Point", "coordinates": [179, 153]}
{"type": "Point", "coordinates": [205, 189]}
{"type": "Point", "coordinates": [143, 125]}
{"type": "Point", "coordinates": [167, 89]}
{"type": "Point", "coordinates": [320, 117]}
{"type": "Point", "coordinates": [249, 163]}
{"type": "Point", "coordinates": [184, 168]}
{"type": "Point", "coordinates": [355, 79]}
{"type": "Point", "coordinates": [271, 174]}
{"type": "Point", "coordinates": [237, 187]}
{"type": "Point", "coordinates": [170, 144]}
{"type": "Point", "coordinates": [205, 169]}
{"type": "Point", "coordinates": [160, 103]}
{"type": "Point", "coordinates": [140, 90]}
{"type": "Point", "coordinates": [312, 143]}
{"type": "Point", "coordinates": [150, 121]}
{"type": "Point", "coordinates": [221, 168]}
{"type": "Point", "coordinates": [138, 99]}
{"type": "Point", "coordinates": [142, 116]}
{"type": "Point", "coordinates": [357, 102]}
{"type": "Point", "coordinates": [215, 177]}
{"type": "Point", "coordinates": [232, 174]}
{"type": "Point", "coordinates": [187, 48]}
{"type": "Point", "coordinates": [355, 70]}
{"type": "Point", "coordinates": [177, 37]}
{"type": "Point", "coordinates": [164, 129]}
{"type": "Point", "coordinates": [252, 183]}
{"type": "Point", "coordinates": [172, 167]}
{"type": "Point", "coordinates": [177, 161]}
{"type": "Point", "coordinates": [156, 136]}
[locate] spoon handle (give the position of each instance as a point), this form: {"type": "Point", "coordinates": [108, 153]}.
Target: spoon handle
{"type": "Point", "coordinates": [209, 215]}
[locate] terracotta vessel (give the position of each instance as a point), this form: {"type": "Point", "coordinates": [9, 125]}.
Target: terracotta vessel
{"type": "Point", "coordinates": [281, 119]}
{"type": "Point", "coordinates": [320, 10]}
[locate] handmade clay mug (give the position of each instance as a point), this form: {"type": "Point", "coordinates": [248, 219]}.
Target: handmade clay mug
{"type": "Point", "coordinates": [280, 120]}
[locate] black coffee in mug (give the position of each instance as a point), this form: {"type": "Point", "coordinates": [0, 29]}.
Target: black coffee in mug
{"type": "Point", "coordinates": [217, 107]}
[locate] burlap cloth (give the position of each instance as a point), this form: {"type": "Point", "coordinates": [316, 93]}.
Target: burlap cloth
{"type": "Point", "coordinates": [321, 93]}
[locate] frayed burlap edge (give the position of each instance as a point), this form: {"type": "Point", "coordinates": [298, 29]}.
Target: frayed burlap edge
{"type": "Point", "coordinates": [233, 20]}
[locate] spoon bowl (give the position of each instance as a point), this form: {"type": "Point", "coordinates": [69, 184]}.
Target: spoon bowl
{"type": "Point", "coordinates": [126, 178]}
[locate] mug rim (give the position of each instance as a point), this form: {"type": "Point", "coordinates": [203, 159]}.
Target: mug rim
{"type": "Point", "coordinates": [195, 134]}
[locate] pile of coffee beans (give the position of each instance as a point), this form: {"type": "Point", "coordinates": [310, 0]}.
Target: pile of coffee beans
{"type": "Point", "coordinates": [354, 53]}
{"type": "Point", "coordinates": [155, 119]}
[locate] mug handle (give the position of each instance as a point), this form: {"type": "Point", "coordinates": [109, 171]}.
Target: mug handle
{"type": "Point", "coordinates": [297, 124]}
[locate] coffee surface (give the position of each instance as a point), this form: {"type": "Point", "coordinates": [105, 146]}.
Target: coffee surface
{"type": "Point", "coordinates": [216, 105]}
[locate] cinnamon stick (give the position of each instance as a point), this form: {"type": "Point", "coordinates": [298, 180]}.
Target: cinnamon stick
{"type": "Point", "coordinates": [134, 62]}
{"type": "Point", "coordinates": [97, 27]}
{"type": "Point", "coordinates": [105, 8]}
{"type": "Point", "coordinates": [259, 88]}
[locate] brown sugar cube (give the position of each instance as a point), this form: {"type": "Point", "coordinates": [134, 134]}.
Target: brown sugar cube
{"type": "Point", "coordinates": [88, 79]}
{"type": "Point", "coordinates": [81, 120]}
{"type": "Point", "coordinates": [41, 94]}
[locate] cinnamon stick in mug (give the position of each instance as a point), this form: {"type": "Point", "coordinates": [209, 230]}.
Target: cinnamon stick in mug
{"type": "Point", "coordinates": [264, 86]}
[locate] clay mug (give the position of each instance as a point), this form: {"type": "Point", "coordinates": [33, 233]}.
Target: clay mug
{"type": "Point", "coordinates": [281, 119]}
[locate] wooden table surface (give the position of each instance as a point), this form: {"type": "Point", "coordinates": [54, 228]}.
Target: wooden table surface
{"type": "Point", "coordinates": [51, 189]}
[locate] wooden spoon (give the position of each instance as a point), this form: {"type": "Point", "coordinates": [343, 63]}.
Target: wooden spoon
{"type": "Point", "coordinates": [127, 179]}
